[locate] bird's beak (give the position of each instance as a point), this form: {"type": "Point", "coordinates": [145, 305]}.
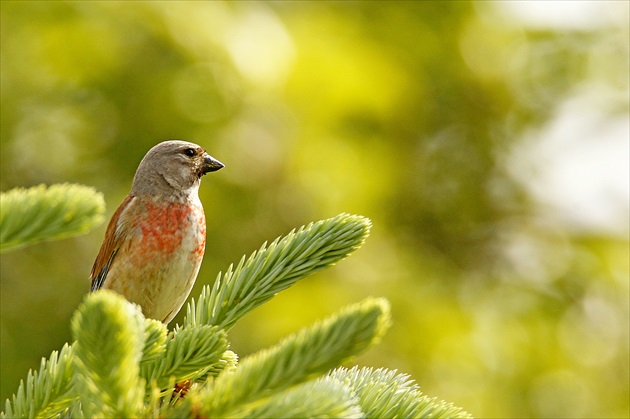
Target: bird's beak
{"type": "Point", "coordinates": [210, 164]}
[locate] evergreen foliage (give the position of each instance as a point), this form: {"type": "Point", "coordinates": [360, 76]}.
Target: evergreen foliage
{"type": "Point", "coordinates": [189, 354]}
{"type": "Point", "coordinates": [46, 392]}
{"type": "Point", "coordinates": [109, 338]}
{"type": "Point", "coordinates": [123, 365]}
{"type": "Point", "coordinates": [155, 342]}
{"type": "Point", "coordinates": [315, 399]}
{"type": "Point", "coordinates": [309, 353]}
{"type": "Point", "coordinates": [275, 268]}
{"type": "Point", "coordinates": [385, 394]}
{"type": "Point", "coordinates": [41, 213]}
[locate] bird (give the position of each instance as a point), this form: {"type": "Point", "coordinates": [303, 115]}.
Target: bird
{"type": "Point", "coordinates": [155, 240]}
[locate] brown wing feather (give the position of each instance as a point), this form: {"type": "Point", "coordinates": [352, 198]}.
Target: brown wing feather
{"type": "Point", "coordinates": [109, 248]}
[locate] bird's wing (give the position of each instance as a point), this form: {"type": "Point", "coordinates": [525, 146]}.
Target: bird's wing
{"type": "Point", "coordinates": [113, 240]}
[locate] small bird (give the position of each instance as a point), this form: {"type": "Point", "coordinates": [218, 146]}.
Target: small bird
{"type": "Point", "coordinates": [156, 239]}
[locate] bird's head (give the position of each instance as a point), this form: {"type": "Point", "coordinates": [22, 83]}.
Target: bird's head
{"type": "Point", "coordinates": [173, 166]}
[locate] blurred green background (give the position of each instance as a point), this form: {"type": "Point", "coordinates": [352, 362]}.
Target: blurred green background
{"type": "Point", "coordinates": [487, 141]}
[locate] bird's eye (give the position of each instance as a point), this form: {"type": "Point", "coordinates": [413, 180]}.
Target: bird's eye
{"type": "Point", "coordinates": [189, 152]}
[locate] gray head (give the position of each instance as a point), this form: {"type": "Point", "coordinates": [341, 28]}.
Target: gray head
{"type": "Point", "coordinates": [173, 168]}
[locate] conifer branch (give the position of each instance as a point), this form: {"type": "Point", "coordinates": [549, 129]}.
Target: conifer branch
{"type": "Point", "coordinates": [28, 216]}
{"type": "Point", "coordinates": [48, 391]}
{"type": "Point", "coordinates": [385, 394]}
{"type": "Point", "coordinates": [313, 399]}
{"type": "Point", "coordinates": [189, 354]}
{"type": "Point", "coordinates": [308, 353]}
{"type": "Point", "coordinates": [109, 335]}
{"type": "Point", "coordinates": [276, 267]}
{"type": "Point", "coordinates": [155, 342]}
